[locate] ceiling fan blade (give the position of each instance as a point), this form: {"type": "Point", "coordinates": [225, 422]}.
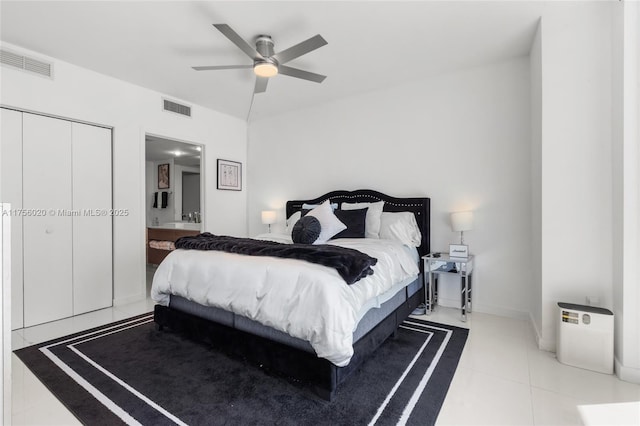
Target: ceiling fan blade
{"type": "Point", "coordinates": [306, 75]}
{"type": "Point", "coordinates": [222, 67]}
{"type": "Point", "coordinates": [238, 41]}
{"type": "Point", "coordinates": [300, 49]}
{"type": "Point", "coordinates": [261, 84]}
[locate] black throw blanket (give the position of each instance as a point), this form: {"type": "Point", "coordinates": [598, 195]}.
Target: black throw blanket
{"type": "Point", "coordinates": [350, 264]}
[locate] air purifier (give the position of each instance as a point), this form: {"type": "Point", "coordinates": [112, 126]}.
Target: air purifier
{"type": "Point", "coordinates": [585, 337]}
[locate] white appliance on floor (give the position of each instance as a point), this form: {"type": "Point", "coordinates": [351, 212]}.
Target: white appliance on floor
{"type": "Point", "coordinates": [585, 337]}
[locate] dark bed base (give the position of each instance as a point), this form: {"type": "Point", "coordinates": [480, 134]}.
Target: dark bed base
{"type": "Point", "coordinates": [323, 376]}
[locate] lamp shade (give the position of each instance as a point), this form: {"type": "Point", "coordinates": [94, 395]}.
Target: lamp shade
{"type": "Point", "coordinates": [268, 217]}
{"type": "Point", "coordinates": [462, 221]}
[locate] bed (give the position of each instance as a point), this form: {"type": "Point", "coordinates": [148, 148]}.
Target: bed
{"type": "Point", "coordinates": [282, 348]}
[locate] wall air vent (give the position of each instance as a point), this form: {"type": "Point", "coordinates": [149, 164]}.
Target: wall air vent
{"type": "Point", "coordinates": [26, 63]}
{"type": "Point", "coordinates": [176, 108]}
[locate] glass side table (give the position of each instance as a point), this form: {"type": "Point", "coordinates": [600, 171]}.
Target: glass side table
{"type": "Point", "coordinates": [436, 264]}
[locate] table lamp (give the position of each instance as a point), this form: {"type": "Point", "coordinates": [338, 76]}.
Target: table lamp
{"type": "Point", "coordinates": [268, 217]}
{"type": "Point", "coordinates": [460, 222]}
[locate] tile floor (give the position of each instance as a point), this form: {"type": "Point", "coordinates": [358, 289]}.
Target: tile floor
{"type": "Point", "coordinates": [502, 378]}
{"type": "Point", "coordinates": [32, 403]}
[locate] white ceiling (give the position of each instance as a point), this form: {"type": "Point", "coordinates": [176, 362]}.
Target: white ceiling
{"type": "Point", "coordinates": [160, 149]}
{"type": "Point", "coordinates": [371, 44]}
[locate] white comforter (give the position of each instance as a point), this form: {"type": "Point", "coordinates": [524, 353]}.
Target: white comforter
{"type": "Point", "coordinates": [308, 301]}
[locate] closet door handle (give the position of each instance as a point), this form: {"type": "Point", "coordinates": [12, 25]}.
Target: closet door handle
{"type": "Point", "coordinates": [48, 231]}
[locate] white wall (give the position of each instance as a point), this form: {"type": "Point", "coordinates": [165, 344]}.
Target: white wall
{"type": "Point", "coordinates": [576, 159]}
{"type": "Point", "coordinates": [150, 188]}
{"type": "Point", "coordinates": [5, 316]}
{"type": "Point", "coordinates": [535, 294]}
{"type": "Point", "coordinates": [133, 111]}
{"type": "Point", "coordinates": [462, 139]}
{"type": "Point", "coordinates": [626, 188]}
{"type": "Point", "coordinates": [617, 150]}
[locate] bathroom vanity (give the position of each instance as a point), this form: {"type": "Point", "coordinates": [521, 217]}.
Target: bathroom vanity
{"type": "Point", "coordinates": [162, 236]}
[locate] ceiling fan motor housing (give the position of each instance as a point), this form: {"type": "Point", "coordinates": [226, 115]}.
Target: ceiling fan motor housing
{"type": "Point", "coordinates": [264, 46]}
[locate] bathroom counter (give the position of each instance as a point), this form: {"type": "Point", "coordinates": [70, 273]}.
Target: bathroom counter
{"type": "Point", "coordinates": [169, 234]}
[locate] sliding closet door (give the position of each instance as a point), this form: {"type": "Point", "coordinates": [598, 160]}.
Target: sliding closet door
{"type": "Point", "coordinates": [92, 230]}
{"type": "Point", "coordinates": [46, 144]}
{"type": "Point", "coordinates": [11, 180]}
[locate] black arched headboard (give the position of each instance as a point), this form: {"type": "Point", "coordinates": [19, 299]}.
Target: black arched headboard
{"type": "Point", "coordinates": [420, 207]}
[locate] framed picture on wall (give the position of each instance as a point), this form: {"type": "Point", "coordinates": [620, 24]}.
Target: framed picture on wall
{"type": "Point", "coordinates": [163, 176]}
{"type": "Point", "coordinates": [229, 175]}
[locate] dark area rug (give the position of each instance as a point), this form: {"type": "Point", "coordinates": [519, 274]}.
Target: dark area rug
{"type": "Point", "coordinates": [129, 372]}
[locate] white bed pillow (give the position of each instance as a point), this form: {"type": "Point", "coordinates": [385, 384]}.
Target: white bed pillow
{"type": "Point", "coordinates": [329, 223]}
{"type": "Point", "coordinates": [372, 223]}
{"type": "Point", "coordinates": [402, 227]}
{"type": "Point", "coordinates": [305, 206]}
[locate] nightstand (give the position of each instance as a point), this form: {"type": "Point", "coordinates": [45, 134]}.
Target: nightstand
{"type": "Point", "coordinates": [436, 264]}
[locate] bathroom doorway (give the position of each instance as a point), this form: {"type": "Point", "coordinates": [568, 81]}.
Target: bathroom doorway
{"type": "Point", "coordinates": [173, 195]}
{"type": "Point", "coordinates": [173, 182]}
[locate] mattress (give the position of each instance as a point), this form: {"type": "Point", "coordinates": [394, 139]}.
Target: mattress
{"type": "Point", "coordinates": [368, 320]}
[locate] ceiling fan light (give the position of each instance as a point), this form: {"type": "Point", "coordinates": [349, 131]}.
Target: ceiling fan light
{"type": "Point", "coordinates": [265, 69]}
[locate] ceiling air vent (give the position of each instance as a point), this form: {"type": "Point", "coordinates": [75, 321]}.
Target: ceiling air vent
{"type": "Point", "coordinates": [176, 108]}
{"type": "Point", "coordinates": [25, 63]}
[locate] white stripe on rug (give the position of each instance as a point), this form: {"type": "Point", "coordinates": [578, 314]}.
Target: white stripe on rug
{"type": "Point", "coordinates": [127, 387]}
{"type": "Point", "coordinates": [112, 406]}
{"type": "Point", "coordinates": [102, 330]}
{"type": "Point", "coordinates": [425, 379]}
{"type": "Point", "coordinates": [402, 377]}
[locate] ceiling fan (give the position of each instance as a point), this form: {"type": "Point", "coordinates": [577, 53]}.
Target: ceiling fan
{"type": "Point", "coordinates": [267, 63]}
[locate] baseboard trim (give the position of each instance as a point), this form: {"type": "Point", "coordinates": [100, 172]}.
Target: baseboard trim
{"type": "Point", "coordinates": [486, 309]}
{"type": "Point", "coordinates": [547, 345]}
{"type": "Point", "coordinates": [131, 299]}
{"type": "Point", "coordinates": [543, 344]}
{"type": "Point", "coordinates": [627, 374]}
